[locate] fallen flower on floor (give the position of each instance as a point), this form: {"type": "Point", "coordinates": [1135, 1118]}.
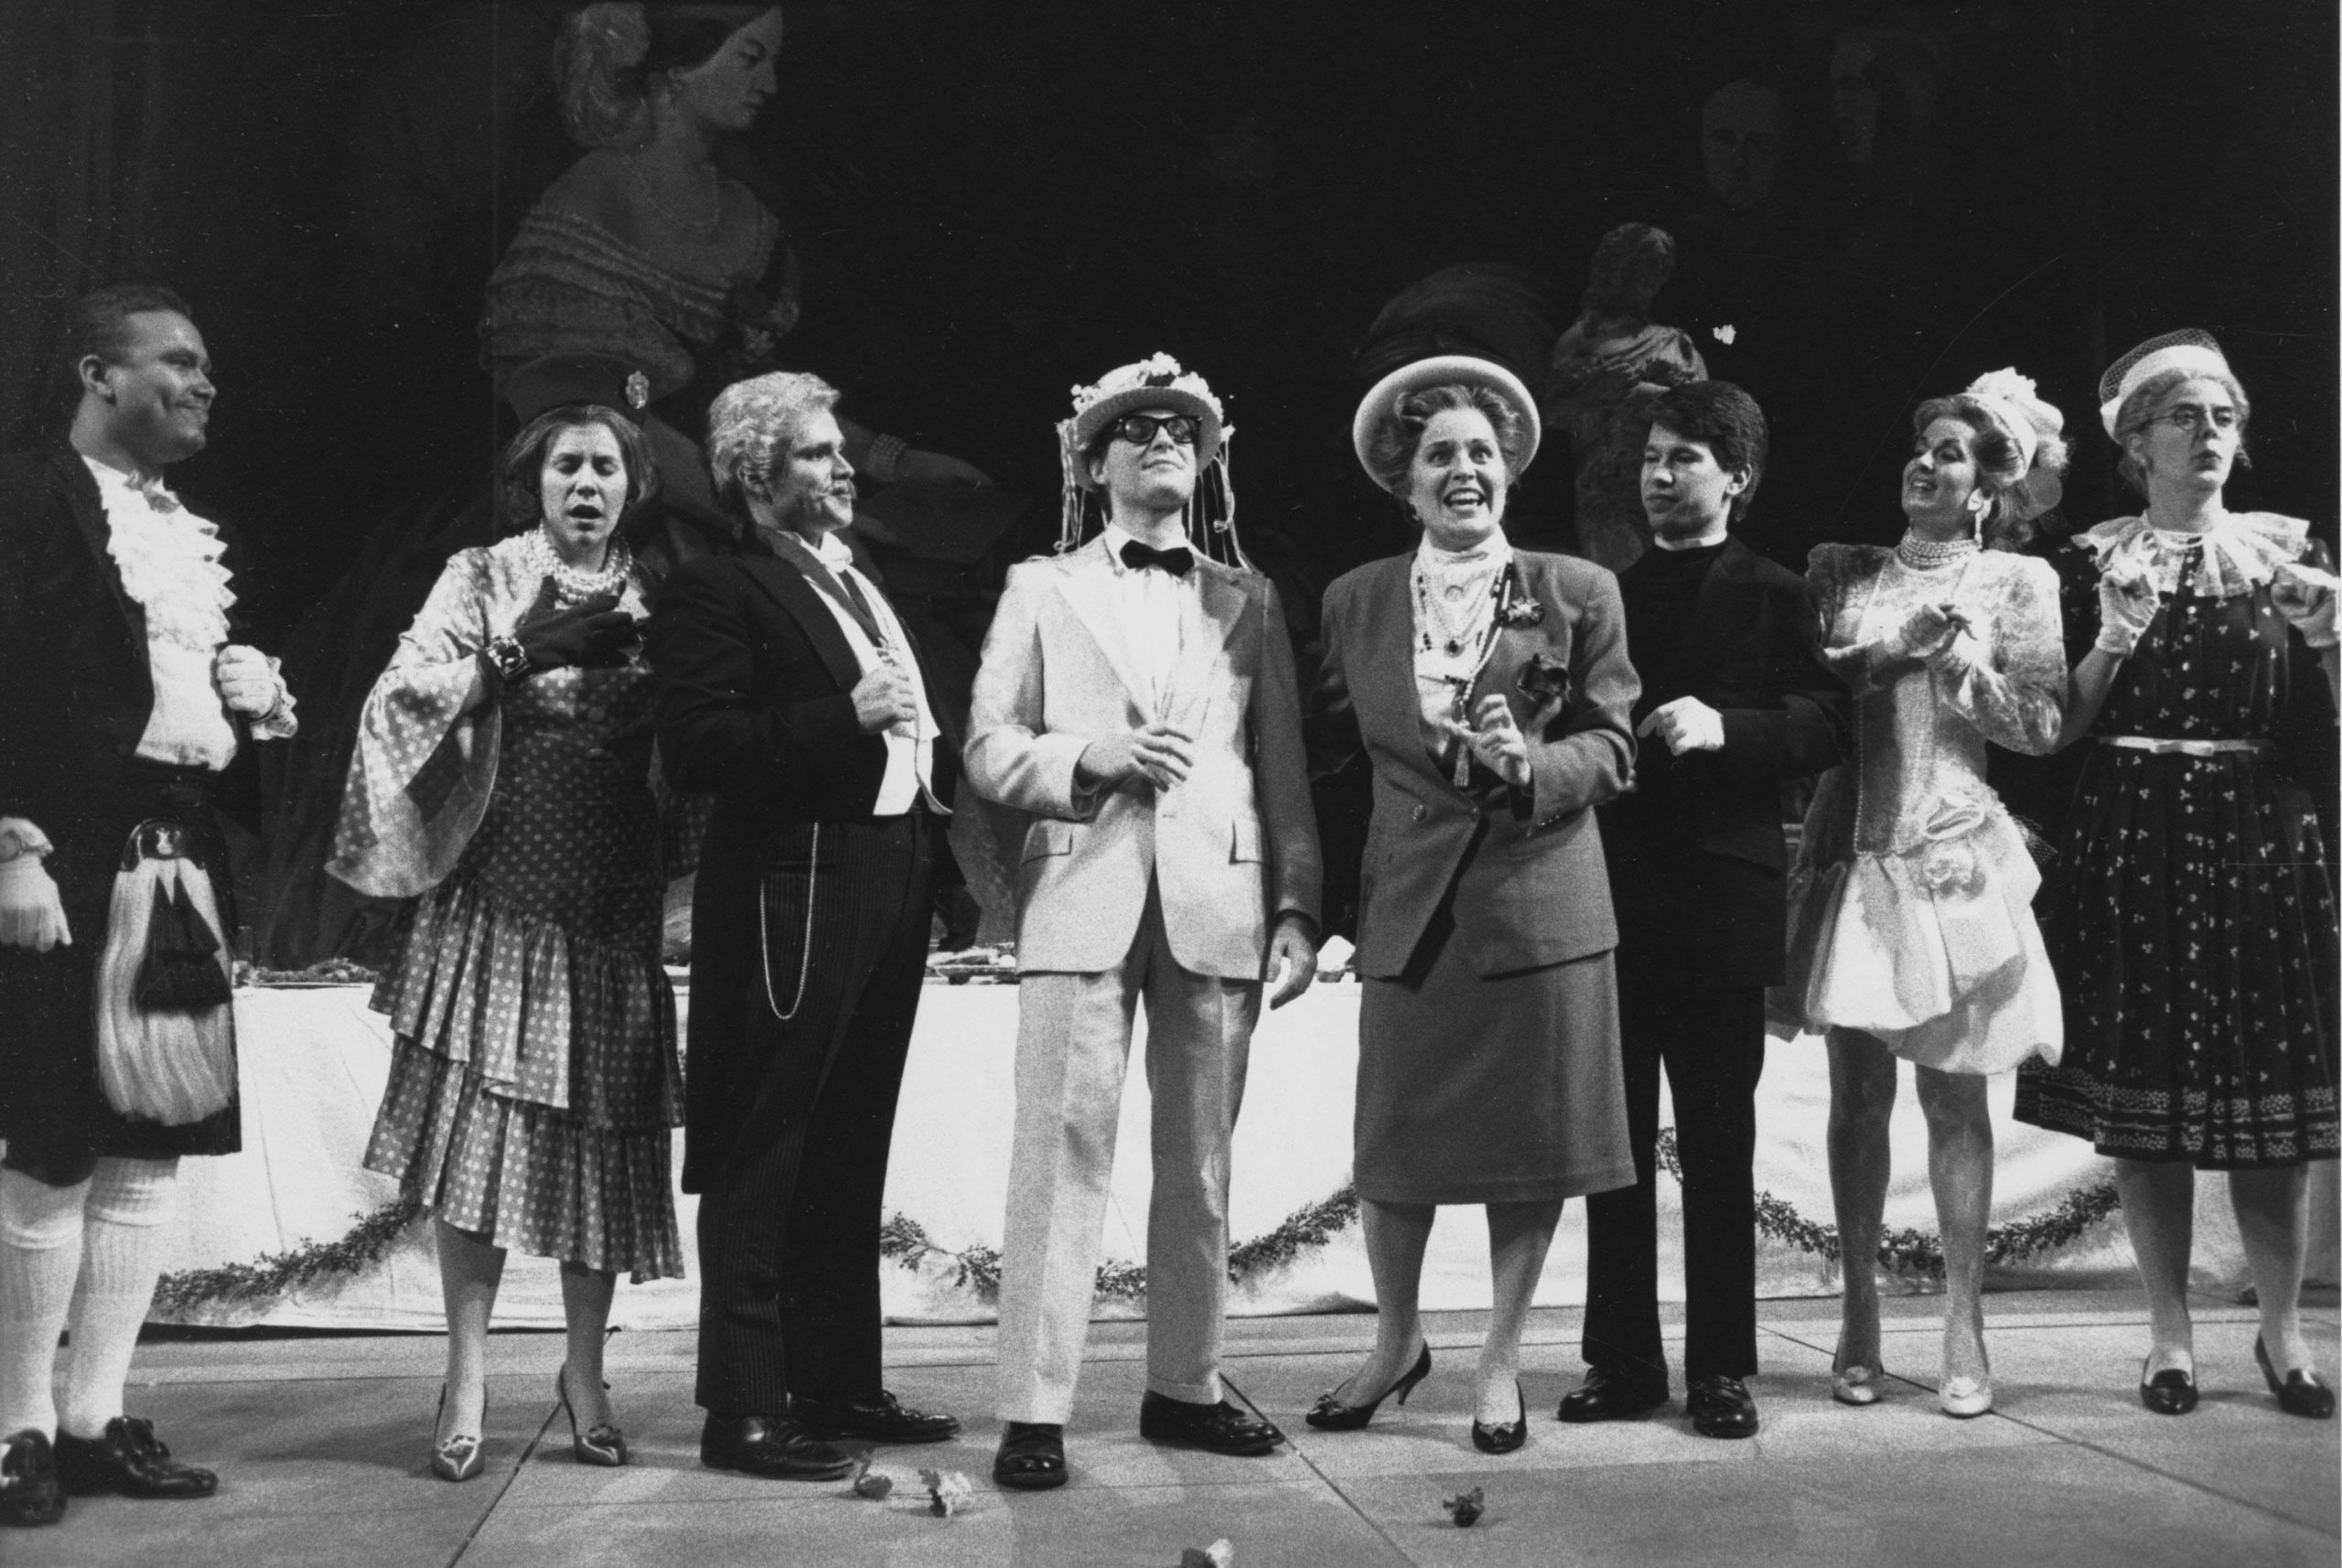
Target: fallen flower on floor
{"type": "Point", "coordinates": [874, 1485]}
{"type": "Point", "coordinates": [1219, 1555]}
{"type": "Point", "coordinates": [947, 1491]}
{"type": "Point", "coordinates": [1467, 1507]}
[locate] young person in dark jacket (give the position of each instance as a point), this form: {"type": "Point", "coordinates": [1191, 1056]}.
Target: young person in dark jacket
{"type": "Point", "coordinates": [1735, 702]}
{"type": "Point", "coordinates": [127, 720]}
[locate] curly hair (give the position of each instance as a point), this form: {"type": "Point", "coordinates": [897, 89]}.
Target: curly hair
{"type": "Point", "coordinates": [100, 324]}
{"type": "Point", "coordinates": [2001, 467]}
{"type": "Point", "coordinates": [520, 487]}
{"type": "Point", "coordinates": [2146, 405]}
{"type": "Point", "coordinates": [1725, 419]}
{"type": "Point", "coordinates": [751, 424]}
{"type": "Point", "coordinates": [608, 56]}
{"type": "Point", "coordinates": [1390, 451]}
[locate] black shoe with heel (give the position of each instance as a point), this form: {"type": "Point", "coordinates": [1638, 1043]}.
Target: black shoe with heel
{"type": "Point", "coordinates": [1505, 1436]}
{"type": "Point", "coordinates": [2171, 1392]}
{"type": "Point", "coordinates": [1330, 1414]}
{"type": "Point", "coordinates": [603, 1443]}
{"type": "Point", "coordinates": [2300, 1393]}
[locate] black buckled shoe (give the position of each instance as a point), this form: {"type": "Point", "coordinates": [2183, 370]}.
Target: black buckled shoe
{"type": "Point", "coordinates": [1608, 1394]}
{"type": "Point", "coordinates": [30, 1494]}
{"type": "Point", "coordinates": [1217, 1428]}
{"type": "Point", "coordinates": [2171, 1392]}
{"type": "Point", "coordinates": [1720, 1407]}
{"type": "Point", "coordinates": [771, 1446]}
{"type": "Point", "coordinates": [2300, 1393]}
{"type": "Point", "coordinates": [1031, 1456]}
{"type": "Point", "coordinates": [129, 1459]}
{"type": "Point", "coordinates": [872, 1418]}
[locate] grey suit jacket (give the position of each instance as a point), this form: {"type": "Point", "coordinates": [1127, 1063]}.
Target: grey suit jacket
{"type": "Point", "coordinates": [1536, 893]}
{"type": "Point", "coordinates": [1231, 848]}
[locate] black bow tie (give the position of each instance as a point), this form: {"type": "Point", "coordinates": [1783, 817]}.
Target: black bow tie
{"type": "Point", "coordinates": [1179, 560]}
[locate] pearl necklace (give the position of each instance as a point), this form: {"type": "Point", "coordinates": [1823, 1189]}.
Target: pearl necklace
{"type": "Point", "coordinates": [574, 583]}
{"type": "Point", "coordinates": [1454, 634]}
{"type": "Point", "coordinates": [1915, 551]}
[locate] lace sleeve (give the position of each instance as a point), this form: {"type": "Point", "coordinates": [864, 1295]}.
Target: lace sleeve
{"type": "Point", "coordinates": [1833, 575]}
{"type": "Point", "coordinates": [2016, 697]}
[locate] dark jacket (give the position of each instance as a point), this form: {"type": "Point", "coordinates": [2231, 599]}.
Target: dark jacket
{"type": "Point", "coordinates": [1696, 851]}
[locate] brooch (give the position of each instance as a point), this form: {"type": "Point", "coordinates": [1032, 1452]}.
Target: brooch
{"type": "Point", "coordinates": [1517, 607]}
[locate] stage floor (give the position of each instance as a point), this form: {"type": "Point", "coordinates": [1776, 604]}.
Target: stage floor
{"type": "Point", "coordinates": [319, 1441]}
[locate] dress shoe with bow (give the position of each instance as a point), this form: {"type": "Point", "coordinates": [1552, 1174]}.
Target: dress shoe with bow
{"type": "Point", "coordinates": [30, 1494]}
{"type": "Point", "coordinates": [871, 1418]}
{"type": "Point", "coordinates": [1720, 1407]}
{"type": "Point", "coordinates": [772, 1446]}
{"type": "Point", "coordinates": [129, 1459]}
{"type": "Point", "coordinates": [1608, 1394]}
{"type": "Point", "coordinates": [1217, 1428]}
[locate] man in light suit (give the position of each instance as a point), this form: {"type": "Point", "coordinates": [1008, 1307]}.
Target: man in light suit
{"type": "Point", "coordinates": [1139, 699]}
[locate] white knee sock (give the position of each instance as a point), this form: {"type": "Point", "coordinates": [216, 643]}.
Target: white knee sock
{"type": "Point", "coordinates": [124, 1240]}
{"type": "Point", "coordinates": [41, 1255]}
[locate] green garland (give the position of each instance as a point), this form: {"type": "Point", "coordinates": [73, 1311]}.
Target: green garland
{"type": "Point", "coordinates": [273, 1275]}
{"type": "Point", "coordinates": [1918, 1254]}
{"type": "Point", "coordinates": [1908, 1255]}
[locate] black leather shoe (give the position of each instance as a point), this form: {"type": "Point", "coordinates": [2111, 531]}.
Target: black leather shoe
{"type": "Point", "coordinates": [1610, 1395]}
{"type": "Point", "coordinates": [2301, 1392]}
{"type": "Point", "coordinates": [1217, 1428]}
{"type": "Point", "coordinates": [872, 1418]}
{"type": "Point", "coordinates": [1505, 1436]}
{"type": "Point", "coordinates": [1720, 1407]}
{"type": "Point", "coordinates": [1031, 1457]}
{"type": "Point", "coordinates": [30, 1494]}
{"type": "Point", "coordinates": [129, 1459]}
{"type": "Point", "coordinates": [1330, 1414]}
{"type": "Point", "coordinates": [2171, 1392]}
{"type": "Point", "coordinates": [772, 1446]}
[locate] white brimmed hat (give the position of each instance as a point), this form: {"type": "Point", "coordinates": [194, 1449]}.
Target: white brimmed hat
{"type": "Point", "coordinates": [2186, 350]}
{"type": "Point", "coordinates": [1155, 382]}
{"type": "Point", "coordinates": [1440, 371]}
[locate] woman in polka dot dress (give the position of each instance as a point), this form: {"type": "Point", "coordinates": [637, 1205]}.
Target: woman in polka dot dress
{"type": "Point", "coordinates": [504, 775]}
{"type": "Point", "coordinates": [2192, 915]}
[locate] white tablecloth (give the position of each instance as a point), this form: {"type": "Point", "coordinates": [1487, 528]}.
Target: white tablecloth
{"type": "Point", "coordinates": [314, 1061]}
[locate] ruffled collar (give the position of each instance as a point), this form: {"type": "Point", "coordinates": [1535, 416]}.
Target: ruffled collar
{"type": "Point", "coordinates": [168, 558]}
{"type": "Point", "coordinates": [1491, 555]}
{"type": "Point", "coordinates": [2240, 552]}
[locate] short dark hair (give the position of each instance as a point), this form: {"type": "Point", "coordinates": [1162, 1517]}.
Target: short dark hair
{"type": "Point", "coordinates": [522, 489]}
{"type": "Point", "coordinates": [101, 325]}
{"type": "Point", "coordinates": [1726, 420]}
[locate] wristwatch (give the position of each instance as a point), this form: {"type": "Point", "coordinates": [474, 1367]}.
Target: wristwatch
{"type": "Point", "coordinates": [507, 658]}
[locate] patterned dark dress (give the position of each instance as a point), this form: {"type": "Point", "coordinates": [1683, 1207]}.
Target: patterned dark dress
{"type": "Point", "coordinates": [2191, 913]}
{"type": "Point", "coordinates": [536, 1078]}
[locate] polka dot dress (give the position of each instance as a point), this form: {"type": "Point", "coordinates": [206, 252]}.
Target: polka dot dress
{"type": "Point", "coordinates": [535, 1078]}
{"type": "Point", "coordinates": [2191, 916]}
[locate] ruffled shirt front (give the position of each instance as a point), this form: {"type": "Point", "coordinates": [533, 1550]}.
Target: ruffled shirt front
{"type": "Point", "coordinates": [1454, 606]}
{"type": "Point", "coordinates": [169, 561]}
{"type": "Point", "coordinates": [2241, 550]}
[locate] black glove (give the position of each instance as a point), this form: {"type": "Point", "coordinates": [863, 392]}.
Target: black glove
{"type": "Point", "coordinates": [592, 634]}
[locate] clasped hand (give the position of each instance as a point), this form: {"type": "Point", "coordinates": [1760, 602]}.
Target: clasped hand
{"type": "Point", "coordinates": [1495, 739]}
{"type": "Point", "coordinates": [247, 683]}
{"type": "Point", "coordinates": [1686, 724]}
{"type": "Point", "coordinates": [2308, 605]}
{"type": "Point", "coordinates": [1928, 630]}
{"type": "Point", "coordinates": [1162, 754]}
{"type": "Point", "coordinates": [591, 634]}
{"type": "Point", "coordinates": [885, 698]}
{"type": "Point", "coordinates": [2125, 607]}
{"type": "Point", "coordinates": [31, 913]}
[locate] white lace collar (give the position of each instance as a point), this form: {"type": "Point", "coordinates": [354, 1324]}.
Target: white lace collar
{"type": "Point", "coordinates": [2241, 551]}
{"type": "Point", "coordinates": [1491, 555]}
{"type": "Point", "coordinates": [168, 558]}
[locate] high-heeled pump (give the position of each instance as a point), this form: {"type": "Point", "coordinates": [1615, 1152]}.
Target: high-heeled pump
{"type": "Point", "coordinates": [1855, 1385]}
{"type": "Point", "coordinates": [600, 1444]}
{"type": "Point", "coordinates": [462, 1456]}
{"type": "Point", "coordinates": [1330, 1414]}
{"type": "Point", "coordinates": [1505, 1436]}
{"type": "Point", "coordinates": [2300, 1393]}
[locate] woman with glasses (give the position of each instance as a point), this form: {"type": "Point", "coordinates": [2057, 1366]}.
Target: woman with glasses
{"type": "Point", "coordinates": [1491, 689]}
{"type": "Point", "coordinates": [2192, 916]}
{"type": "Point", "coordinates": [1911, 929]}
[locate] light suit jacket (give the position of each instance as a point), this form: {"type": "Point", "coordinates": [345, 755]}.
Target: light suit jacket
{"type": "Point", "coordinates": [1231, 848]}
{"type": "Point", "coordinates": [1535, 891]}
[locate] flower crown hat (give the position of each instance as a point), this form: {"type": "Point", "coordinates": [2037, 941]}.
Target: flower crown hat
{"type": "Point", "coordinates": [2185, 350]}
{"type": "Point", "coordinates": [2014, 404]}
{"type": "Point", "coordinates": [1155, 382]}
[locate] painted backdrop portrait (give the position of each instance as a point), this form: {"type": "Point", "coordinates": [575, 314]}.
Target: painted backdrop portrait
{"type": "Point", "coordinates": [989, 197]}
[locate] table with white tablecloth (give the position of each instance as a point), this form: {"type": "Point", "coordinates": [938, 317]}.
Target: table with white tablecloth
{"type": "Point", "coordinates": [313, 1062]}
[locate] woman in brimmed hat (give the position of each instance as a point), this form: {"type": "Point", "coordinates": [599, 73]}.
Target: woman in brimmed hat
{"type": "Point", "coordinates": [503, 779]}
{"type": "Point", "coordinates": [2192, 913]}
{"type": "Point", "coordinates": [1911, 929]}
{"type": "Point", "coordinates": [1490, 689]}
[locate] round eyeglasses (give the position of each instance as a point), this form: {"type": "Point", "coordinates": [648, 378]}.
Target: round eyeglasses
{"type": "Point", "coordinates": [1139, 429]}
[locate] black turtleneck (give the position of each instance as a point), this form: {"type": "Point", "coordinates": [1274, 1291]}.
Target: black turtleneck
{"type": "Point", "coordinates": [1660, 591]}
